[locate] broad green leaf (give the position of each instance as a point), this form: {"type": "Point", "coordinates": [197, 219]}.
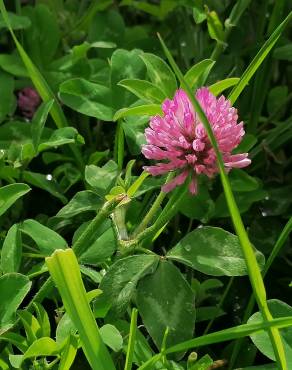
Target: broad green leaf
{"type": "Point", "coordinates": [160, 74]}
{"type": "Point", "coordinates": [213, 251]}
{"type": "Point", "coordinates": [9, 195]}
{"type": "Point", "coordinates": [38, 122]}
{"type": "Point", "coordinates": [42, 347]}
{"type": "Point", "coordinates": [13, 287]}
{"type": "Point", "coordinates": [11, 250]}
{"type": "Point", "coordinates": [111, 337]}
{"type": "Point", "coordinates": [64, 268]}
{"type": "Point", "coordinates": [261, 340]}
{"type": "Point", "coordinates": [119, 283]}
{"type": "Point", "coordinates": [148, 109]}
{"type": "Point", "coordinates": [165, 300]}
{"type": "Point", "coordinates": [101, 246]}
{"type": "Point", "coordinates": [17, 22]}
{"type": "Point", "coordinates": [12, 64]}
{"type": "Point", "coordinates": [17, 340]}
{"type": "Point", "coordinates": [88, 98]}
{"type": "Point", "coordinates": [46, 239]}
{"type": "Point", "coordinates": [82, 201]}
{"type": "Point", "coordinates": [125, 65]}
{"type": "Point", "coordinates": [61, 136]}
{"type": "Point", "coordinates": [69, 353]}
{"type": "Point", "coordinates": [218, 87]}
{"type": "Point", "coordinates": [40, 44]}
{"type": "Point", "coordinates": [258, 59]}
{"type": "Point", "coordinates": [43, 319]}
{"type": "Point", "coordinates": [144, 90]}
{"type": "Point", "coordinates": [31, 326]}
{"type": "Point", "coordinates": [102, 179]}
{"type": "Point", "coordinates": [196, 71]}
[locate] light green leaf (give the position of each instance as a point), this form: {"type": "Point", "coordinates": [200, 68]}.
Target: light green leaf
{"type": "Point", "coordinates": [9, 195]}
{"type": "Point", "coordinates": [69, 353]}
{"type": "Point", "coordinates": [149, 110]}
{"type": "Point", "coordinates": [220, 86]}
{"type": "Point", "coordinates": [160, 74]}
{"type": "Point", "coordinates": [88, 98]}
{"type": "Point", "coordinates": [196, 71]}
{"type": "Point", "coordinates": [103, 178]}
{"type": "Point", "coordinates": [144, 90]}
{"type": "Point", "coordinates": [261, 340]}
{"type": "Point", "coordinates": [111, 337]}
{"type": "Point", "coordinates": [46, 239]}
{"type": "Point", "coordinates": [42, 347]}
{"type": "Point", "coordinates": [11, 250]}
{"type": "Point", "coordinates": [62, 136]}
{"type": "Point", "coordinates": [13, 287]}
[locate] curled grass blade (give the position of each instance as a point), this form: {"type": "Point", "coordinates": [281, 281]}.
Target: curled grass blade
{"type": "Point", "coordinates": [250, 259]}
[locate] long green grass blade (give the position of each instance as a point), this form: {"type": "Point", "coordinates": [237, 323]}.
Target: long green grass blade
{"type": "Point", "coordinates": [132, 338]}
{"type": "Point", "coordinates": [221, 336]}
{"type": "Point", "coordinates": [64, 269]}
{"type": "Point", "coordinates": [249, 309]}
{"type": "Point", "coordinates": [40, 84]}
{"type": "Point", "coordinates": [250, 259]}
{"type": "Point", "coordinates": [36, 77]}
{"type": "Point", "coordinates": [258, 59]}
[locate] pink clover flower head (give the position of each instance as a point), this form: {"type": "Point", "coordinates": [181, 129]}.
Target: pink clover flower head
{"type": "Point", "coordinates": [28, 101]}
{"type": "Point", "coordinates": [179, 141]}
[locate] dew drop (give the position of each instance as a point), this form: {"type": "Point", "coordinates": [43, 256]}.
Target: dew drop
{"type": "Point", "coordinates": [49, 177]}
{"type": "Point", "coordinates": [264, 214]}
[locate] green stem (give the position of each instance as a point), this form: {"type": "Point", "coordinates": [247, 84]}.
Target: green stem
{"type": "Point", "coordinates": [154, 208]}
{"type": "Point", "coordinates": [167, 213]}
{"type": "Point", "coordinates": [81, 243]}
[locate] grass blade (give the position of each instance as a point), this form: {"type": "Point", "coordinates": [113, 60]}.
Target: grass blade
{"type": "Point", "coordinates": [64, 269]}
{"type": "Point", "coordinates": [258, 59]}
{"type": "Point", "coordinates": [221, 336]}
{"type": "Point", "coordinates": [132, 338]}
{"type": "Point", "coordinates": [250, 259]}
{"type": "Point", "coordinates": [40, 84]}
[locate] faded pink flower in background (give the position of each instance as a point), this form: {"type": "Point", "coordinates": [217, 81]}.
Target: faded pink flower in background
{"type": "Point", "coordinates": [28, 101]}
{"type": "Point", "coordinates": [178, 140]}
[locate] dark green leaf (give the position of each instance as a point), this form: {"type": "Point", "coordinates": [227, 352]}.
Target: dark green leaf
{"type": "Point", "coordinates": [165, 300]}
{"type": "Point", "coordinates": [213, 251]}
